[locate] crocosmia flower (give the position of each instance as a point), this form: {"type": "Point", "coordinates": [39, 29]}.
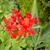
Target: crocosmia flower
{"type": "Point", "coordinates": [16, 25]}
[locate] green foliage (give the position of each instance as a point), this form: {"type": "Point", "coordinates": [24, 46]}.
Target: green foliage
{"type": "Point", "coordinates": [5, 8]}
{"type": "Point", "coordinates": [40, 8]}
{"type": "Point", "coordinates": [43, 11]}
{"type": "Point", "coordinates": [25, 6]}
{"type": "Point", "coordinates": [3, 24]}
{"type": "Point", "coordinates": [37, 8]}
{"type": "Point", "coordinates": [34, 9]}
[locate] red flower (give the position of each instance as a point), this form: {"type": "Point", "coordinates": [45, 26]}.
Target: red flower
{"type": "Point", "coordinates": [25, 34]}
{"type": "Point", "coordinates": [8, 27]}
{"type": "Point", "coordinates": [13, 27]}
{"type": "Point", "coordinates": [5, 21]}
{"type": "Point", "coordinates": [12, 34]}
{"type": "Point", "coordinates": [28, 15]}
{"type": "Point", "coordinates": [31, 32]}
{"type": "Point", "coordinates": [36, 21]}
{"type": "Point", "coordinates": [14, 11]}
{"type": "Point", "coordinates": [12, 20]}
{"type": "Point", "coordinates": [23, 26]}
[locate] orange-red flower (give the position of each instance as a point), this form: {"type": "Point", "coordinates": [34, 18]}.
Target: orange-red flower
{"type": "Point", "coordinates": [22, 26]}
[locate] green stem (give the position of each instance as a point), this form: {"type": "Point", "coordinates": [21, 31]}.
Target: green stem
{"type": "Point", "coordinates": [37, 41]}
{"type": "Point", "coordinates": [34, 9]}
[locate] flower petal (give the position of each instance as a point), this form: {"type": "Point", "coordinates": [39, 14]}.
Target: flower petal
{"type": "Point", "coordinates": [12, 34]}
{"type": "Point", "coordinates": [36, 21]}
{"type": "Point", "coordinates": [25, 34]}
{"type": "Point", "coordinates": [26, 21]}
{"type": "Point", "coordinates": [8, 27]}
{"type": "Point", "coordinates": [13, 27]}
{"type": "Point", "coordinates": [28, 15]}
{"type": "Point", "coordinates": [5, 20]}
{"type": "Point", "coordinates": [31, 32]}
{"type": "Point", "coordinates": [20, 32]}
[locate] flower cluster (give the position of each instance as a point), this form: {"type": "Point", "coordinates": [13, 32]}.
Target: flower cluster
{"type": "Point", "coordinates": [16, 25]}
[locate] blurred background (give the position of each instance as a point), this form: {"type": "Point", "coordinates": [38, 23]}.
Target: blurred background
{"type": "Point", "coordinates": [38, 8]}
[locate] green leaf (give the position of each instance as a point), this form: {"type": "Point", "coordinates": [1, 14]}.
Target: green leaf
{"type": "Point", "coordinates": [2, 40]}
{"type": "Point", "coordinates": [1, 36]}
{"type": "Point", "coordinates": [40, 45]}
{"type": "Point", "coordinates": [13, 41]}
{"type": "Point", "coordinates": [34, 9]}
{"type": "Point", "coordinates": [45, 38]}
{"type": "Point", "coordinates": [29, 41]}
{"type": "Point", "coordinates": [46, 34]}
{"type": "Point", "coordinates": [29, 49]}
{"type": "Point", "coordinates": [6, 35]}
{"type": "Point", "coordinates": [23, 42]}
{"type": "Point", "coordinates": [2, 46]}
{"type": "Point", "coordinates": [15, 47]}
{"type": "Point", "coordinates": [8, 45]}
{"type": "Point", "coordinates": [3, 24]}
{"type": "Point", "coordinates": [36, 26]}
